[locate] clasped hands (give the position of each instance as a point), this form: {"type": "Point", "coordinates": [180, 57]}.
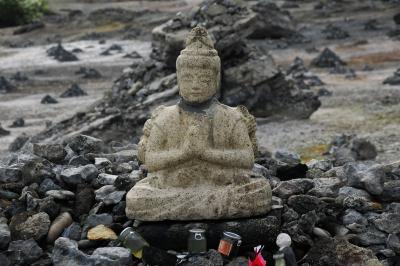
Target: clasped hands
{"type": "Point", "coordinates": [195, 142]}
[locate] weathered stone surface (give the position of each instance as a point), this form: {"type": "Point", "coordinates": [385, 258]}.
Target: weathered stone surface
{"type": "Point", "coordinates": [322, 253]}
{"type": "Point", "coordinates": [9, 174]}
{"type": "Point", "coordinates": [66, 252]}
{"type": "Point", "coordinates": [73, 232]}
{"type": "Point", "coordinates": [371, 236]}
{"type": "Point", "coordinates": [327, 59]}
{"type": "Point", "coordinates": [350, 191]}
{"type": "Point", "coordinates": [208, 177]}
{"type": "Point", "coordinates": [80, 174]}
{"type": "Point", "coordinates": [82, 144]}
{"type": "Point", "coordinates": [391, 191]}
{"type": "Point", "coordinates": [24, 226]}
{"type": "Point", "coordinates": [100, 232]}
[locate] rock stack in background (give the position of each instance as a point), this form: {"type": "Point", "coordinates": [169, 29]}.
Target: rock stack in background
{"type": "Point", "coordinates": [250, 76]}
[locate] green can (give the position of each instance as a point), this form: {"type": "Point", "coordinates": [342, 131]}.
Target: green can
{"type": "Point", "coordinates": [197, 242]}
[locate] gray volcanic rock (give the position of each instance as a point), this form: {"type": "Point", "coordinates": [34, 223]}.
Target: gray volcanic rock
{"type": "Point", "coordinates": [73, 91]}
{"type": "Point", "coordinates": [51, 152]}
{"type": "Point", "coordinates": [48, 100]}
{"type": "Point", "coordinates": [327, 59]}
{"type": "Point", "coordinates": [59, 53]}
{"type": "Point", "coordinates": [24, 251]}
{"type": "Point", "coordinates": [371, 179]}
{"type": "Point", "coordinates": [394, 79]}
{"type": "Point", "coordinates": [6, 86]}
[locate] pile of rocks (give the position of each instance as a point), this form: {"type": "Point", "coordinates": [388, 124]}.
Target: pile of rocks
{"type": "Point", "coordinates": [60, 54]}
{"type": "Point", "coordinates": [66, 202]}
{"type": "Point", "coordinates": [304, 77]}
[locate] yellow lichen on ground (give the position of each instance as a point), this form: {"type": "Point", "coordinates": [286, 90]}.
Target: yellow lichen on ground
{"type": "Point", "coordinates": [110, 27]}
{"type": "Point", "coordinates": [313, 152]}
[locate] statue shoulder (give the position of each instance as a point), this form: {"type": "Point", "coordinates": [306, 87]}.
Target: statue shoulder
{"type": "Point", "coordinates": [160, 117]}
{"type": "Point", "coordinates": [240, 114]}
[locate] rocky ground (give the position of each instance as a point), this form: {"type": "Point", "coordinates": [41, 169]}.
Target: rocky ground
{"type": "Point", "coordinates": [335, 175]}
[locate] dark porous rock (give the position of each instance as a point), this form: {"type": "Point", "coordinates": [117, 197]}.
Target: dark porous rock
{"type": "Point", "coordinates": [46, 185]}
{"type": "Point", "coordinates": [286, 171]}
{"type": "Point", "coordinates": [255, 231]}
{"type": "Point", "coordinates": [10, 174]}
{"type": "Point", "coordinates": [36, 169]}
{"type": "Point", "coordinates": [52, 152]}
{"type": "Point", "coordinates": [394, 79]}
{"type": "Point", "coordinates": [5, 234]}
{"type": "Point", "coordinates": [73, 91]}
{"type": "Point", "coordinates": [23, 252]}
{"type": "Point", "coordinates": [211, 258]}
{"type": "Point", "coordinates": [84, 200]}
{"type": "Point", "coordinates": [48, 100]}
{"type": "Point", "coordinates": [18, 142]}
{"type": "Point", "coordinates": [323, 253]}
{"type": "Point", "coordinates": [388, 222]}
{"type": "Point", "coordinates": [89, 73]}
{"type": "Point", "coordinates": [391, 191]}
{"type": "Point", "coordinates": [59, 53]}
{"type": "Point", "coordinates": [82, 144]}
{"type": "Point", "coordinates": [349, 254]}
{"type": "Point", "coordinates": [327, 59]}
{"type": "Point", "coordinates": [155, 256]}
{"type": "Point", "coordinates": [305, 203]}
{"type": "Point", "coordinates": [19, 122]}
{"type": "Point", "coordinates": [49, 206]}
{"type": "Point", "coordinates": [288, 188]}
{"type": "Point", "coordinates": [289, 215]}
{"type": "Point", "coordinates": [325, 187]}
{"type": "Point", "coordinates": [6, 86]}
{"type": "Point", "coordinates": [363, 149]}
{"type": "Point", "coordinates": [369, 178]}
{"type": "Point", "coordinates": [109, 195]}
{"type": "Point", "coordinates": [355, 192]}
{"type": "Point", "coordinates": [323, 165]}
{"type": "Point", "coordinates": [124, 182]}
{"type": "Point", "coordinates": [371, 236]}
{"type": "Point", "coordinates": [361, 204]}
{"type": "Point", "coordinates": [324, 92]}
{"type": "Point", "coordinates": [80, 174]}
{"type": "Point", "coordinates": [307, 222]}
{"type": "Point", "coordinates": [25, 225]}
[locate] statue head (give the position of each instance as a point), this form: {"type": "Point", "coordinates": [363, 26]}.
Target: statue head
{"type": "Point", "coordinates": [283, 240]}
{"type": "Point", "coordinates": [198, 68]}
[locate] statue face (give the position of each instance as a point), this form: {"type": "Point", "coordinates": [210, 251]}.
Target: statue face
{"type": "Point", "coordinates": [197, 85]}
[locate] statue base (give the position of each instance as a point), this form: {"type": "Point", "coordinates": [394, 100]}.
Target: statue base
{"type": "Point", "coordinates": [145, 202]}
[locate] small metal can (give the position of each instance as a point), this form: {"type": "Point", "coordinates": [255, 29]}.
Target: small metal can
{"type": "Point", "coordinates": [197, 242]}
{"type": "Point", "coordinates": [133, 240]}
{"type": "Point", "coordinates": [229, 244]}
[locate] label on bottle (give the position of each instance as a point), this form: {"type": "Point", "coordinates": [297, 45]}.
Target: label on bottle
{"type": "Point", "coordinates": [225, 247]}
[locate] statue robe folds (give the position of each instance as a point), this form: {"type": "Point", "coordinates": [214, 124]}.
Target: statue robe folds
{"type": "Point", "coordinates": [211, 186]}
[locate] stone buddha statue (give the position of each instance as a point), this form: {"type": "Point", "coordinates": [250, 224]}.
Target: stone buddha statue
{"type": "Point", "coordinates": [199, 153]}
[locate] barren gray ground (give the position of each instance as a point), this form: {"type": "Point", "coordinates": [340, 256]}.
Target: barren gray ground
{"type": "Point", "coordinates": [361, 106]}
